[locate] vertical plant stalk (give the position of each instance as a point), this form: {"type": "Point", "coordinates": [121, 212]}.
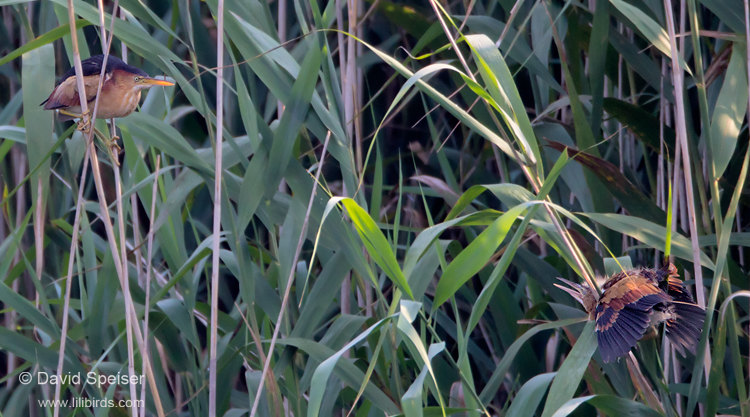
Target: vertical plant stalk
{"type": "Point", "coordinates": [123, 46]}
{"type": "Point", "coordinates": [641, 383]}
{"type": "Point", "coordinates": [509, 22]}
{"type": "Point", "coordinates": [282, 13]}
{"type": "Point", "coordinates": [351, 77]}
{"type": "Point", "coordinates": [126, 286]}
{"type": "Point", "coordinates": [217, 211]}
{"type": "Point", "coordinates": [129, 311]}
{"type": "Point", "coordinates": [289, 279]}
{"type": "Point", "coordinates": [10, 317]}
{"type": "Point", "coordinates": [76, 222]}
{"type": "Point", "coordinates": [150, 252]}
{"type": "Point", "coordinates": [668, 350]}
{"type": "Point", "coordinates": [129, 323]}
{"type": "Point", "coordinates": [747, 66]}
{"type": "Point", "coordinates": [341, 43]}
{"type": "Point", "coordinates": [681, 126]}
{"type": "Point", "coordinates": [345, 58]}
{"type": "Point", "coordinates": [69, 280]}
{"type": "Point", "coordinates": [358, 126]}
{"type": "Point", "coordinates": [39, 234]}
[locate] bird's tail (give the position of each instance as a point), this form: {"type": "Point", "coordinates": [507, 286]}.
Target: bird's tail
{"type": "Point", "coordinates": [685, 327]}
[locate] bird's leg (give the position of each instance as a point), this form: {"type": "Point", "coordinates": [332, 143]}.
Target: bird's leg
{"type": "Point", "coordinates": [106, 143]}
{"type": "Point", "coordinates": [84, 125]}
{"type": "Point", "coordinates": [114, 130]}
{"type": "Point", "coordinates": [114, 148]}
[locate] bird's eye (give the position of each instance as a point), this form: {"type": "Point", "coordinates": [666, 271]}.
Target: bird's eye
{"type": "Point", "coordinates": [137, 78]}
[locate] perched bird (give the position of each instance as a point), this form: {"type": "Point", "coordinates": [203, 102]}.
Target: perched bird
{"type": "Point", "coordinates": [632, 301]}
{"type": "Point", "coordinates": [121, 90]}
{"type": "Point", "coordinates": [120, 95]}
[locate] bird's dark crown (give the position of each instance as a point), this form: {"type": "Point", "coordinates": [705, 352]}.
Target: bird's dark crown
{"type": "Point", "coordinates": [93, 66]}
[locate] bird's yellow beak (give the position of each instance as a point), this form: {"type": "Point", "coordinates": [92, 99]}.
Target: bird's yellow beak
{"type": "Point", "coordinates": [154, 81]}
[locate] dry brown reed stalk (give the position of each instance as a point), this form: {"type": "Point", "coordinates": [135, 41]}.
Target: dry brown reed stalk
{"type": "Point", "coordinates": [285, 300]}
{"type": "Point", "coordinates": [125, 282]}
{"type": "Point", "coordinates": [282, 16]}
{"type": "Point", "coordinates": [76, 223]}
{"type": "Point", "coordinates": [747, 65]}
{"type": "Point", "coordinates": [681, 128]}
{"type": "Point", "coordinates": [69, 280]}
{"type": "Point", "coordinates": [138, 265]}
{"type": "Point", "coordinates": [123, 269]}
{"type": "Point", "coordinates": [129, 310]}
{"type": "Point", "coordinates": [150, 252]}
{"type": "Point", "coordinates": [217, 211]}
{"type": "Point", "coordinates": [39, 234]}
{"type": "Point", "coordinates": [642, 384]}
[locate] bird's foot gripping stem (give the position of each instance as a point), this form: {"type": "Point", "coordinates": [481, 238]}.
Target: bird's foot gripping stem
{"type": "Point", "coordinates": [84, 125]}
{"type": "Point", "coordinates": [109, 145]}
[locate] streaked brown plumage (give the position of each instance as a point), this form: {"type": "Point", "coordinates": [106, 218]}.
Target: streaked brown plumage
{"type": "Point", "coordinates": [632, 301]}
{"type": "Point", "coordinates": [121, 90]}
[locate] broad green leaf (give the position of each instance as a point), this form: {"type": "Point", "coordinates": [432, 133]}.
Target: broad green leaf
{"type": "Point", "coordinates": [376, 244]}
{"type": "Point", "coordinates": [456, 110]}
{"type": "Point", "coordinates": [615, 265]}
{"type": "Point", "coordinates": [617, 184]}
{"type": "Point", "coordinates": [429, 71]}
{"type": "Point", "coordinates": [520, 51]}
{"type": "Point", "coordinates": [475, 256]}
{"type": "Point", "coordinates": [291, 121]}
{"type": "Point", "coordinates": [45, 39]}
{"type": "Point", "coordinates": [530, 395]}
{"type": "Point", "coordinates": [649, 233]}
{"type": "Point", "coordinates": [508, 256]}
{"type": "Point", "coordinates": [571, 371]}
{"type": "Point", "coordinates": [610, 405]}
{"type": "Point", "coordinates": [498, 375]}
{"type": "Point", "coordinates": [324, 370]}
{"type": "Point", "coordinates": [426, 237]}
{"type": "Point", "coordinates": [136, 39]}
{"type": "Point", "coordinates": [598, 46]}
{"type": "Point", "coordinates": [649, 28]}
{"type": "Point", "coordinates": [729, 113]}
{"type": "Point", "coordinates": [163, 136]}
{"type": "Point", "coordinates": [412, 399]}
{"type": "Point", "coordinates": [719, 275]}
{"type": "Point", "coordinates": [38, 82]}
{"type": "Point", "coordinates": [730, 12]}
{"type": "Point", "coordinates": [14, 133]}
{"type": "Point", "coordinates": [502, 88]}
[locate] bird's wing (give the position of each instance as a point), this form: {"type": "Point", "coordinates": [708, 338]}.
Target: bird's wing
{"type": "Point", "coordinates": [686, 324]}
{"type": "Point", "coordinates": [676, 289]}
{"type": "Point", "coordinates": [66, 94]}
{"type": "Point", "coordinates": [623, 315]}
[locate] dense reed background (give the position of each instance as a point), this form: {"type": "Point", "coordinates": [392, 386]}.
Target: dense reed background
{"type": "Point", "coordinates": [400, 187]}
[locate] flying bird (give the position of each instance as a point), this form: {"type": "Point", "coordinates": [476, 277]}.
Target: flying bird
{"type": "Point", "coordinates": [634, 300]}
